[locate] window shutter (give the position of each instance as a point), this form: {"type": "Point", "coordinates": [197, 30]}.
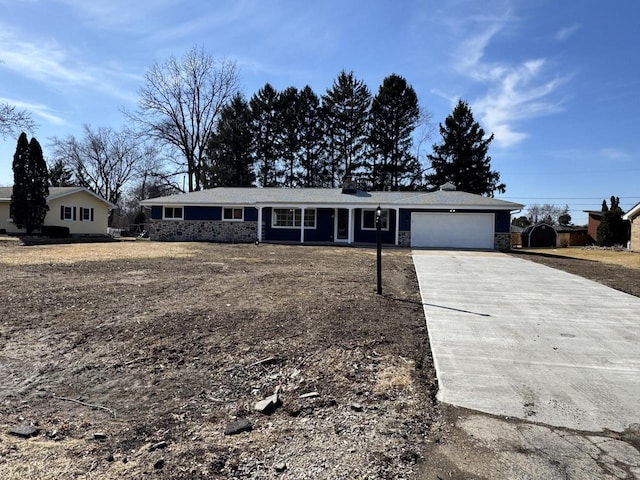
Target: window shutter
{"type": "Point", "coordinates": [74, 214]}
{"type": "Point", "coordinates": [92, 214]}
{"type": "Point", "coordinates": [61, 212]}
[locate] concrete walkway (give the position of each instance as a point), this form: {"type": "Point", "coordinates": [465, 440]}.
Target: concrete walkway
{"type": "Point", "coordinates": [514, 338]}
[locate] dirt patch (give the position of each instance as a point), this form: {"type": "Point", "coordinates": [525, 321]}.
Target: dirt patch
{"type": "Point", "coordinates": [132, 358]}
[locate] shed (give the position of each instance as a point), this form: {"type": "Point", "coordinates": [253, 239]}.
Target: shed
{"type": "Point", "coordinates": [539, 235]}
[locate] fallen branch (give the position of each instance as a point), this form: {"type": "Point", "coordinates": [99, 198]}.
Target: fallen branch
{"type": "Point", "coordinates": [112, 412]}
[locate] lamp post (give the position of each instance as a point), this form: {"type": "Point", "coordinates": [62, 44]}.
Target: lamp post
{"type": "Point", "coordinates": [379, 248]}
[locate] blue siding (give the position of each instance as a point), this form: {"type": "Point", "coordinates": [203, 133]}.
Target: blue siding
{"type": "Point", "coordinates": [405, 220]}
{"type": "Point", "coordinates": [202, 213]}
{"type": "Point", "coordinates": [369, 236]}
{"type": "Point", "coordinates": [503, 222]}
{"type": "Point", "coordinates": [250, 214]}
{"type": "Point", "coordinates": [322, 233]}
{"type": "Point", "coordinates": [156, 212]}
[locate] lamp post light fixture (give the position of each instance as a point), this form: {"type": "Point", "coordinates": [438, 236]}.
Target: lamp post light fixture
{"type": "Point", "coordinates": [379, 248]}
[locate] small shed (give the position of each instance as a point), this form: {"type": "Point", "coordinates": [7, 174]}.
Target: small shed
{"type": "Point", "coordinates": [539, 235]}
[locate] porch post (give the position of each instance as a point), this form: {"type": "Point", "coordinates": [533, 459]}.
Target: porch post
{"type": "Point", "coordinates": [350, 228]}
{"type": "Point", "coordinates": [397, 225]}
{"type": "Point", "coordinates": [302, 225]}
{"type": "Point", "coordinates": [259, 239]}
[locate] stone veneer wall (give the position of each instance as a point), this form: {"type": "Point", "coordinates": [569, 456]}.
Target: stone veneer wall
{"type": "Point", "coordinates": [635, 234]}
{"type": "Point", "coordinates": [404, 238]}
{"type": "Point", "coordinates": [502, 242]}
{"type": "Point", "coordinates": [203, 230]}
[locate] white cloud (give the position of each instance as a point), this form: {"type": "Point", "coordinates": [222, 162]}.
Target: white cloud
{"type": "Point", "coordinates": [56, 67]}
{"type": "Point", "coordinates": [513, 91]}
{"type": "Point", "coordinates": [36, 109]}
{"type": "Point", "coordinates": [564, 33]}
{"type": "Point", "coordinates": [614, 154]}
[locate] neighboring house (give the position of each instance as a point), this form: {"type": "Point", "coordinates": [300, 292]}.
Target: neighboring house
{"type": "Point", "coordinates": [593, 222]}
{"type": "Point", "coordinates": [443, 219]}
{"type": "Point", "coordinates": [633, 216]}
{"type": "Point", "coordinates": [570, 236]}
{"type": "Point", "coordinates": [78, 208]}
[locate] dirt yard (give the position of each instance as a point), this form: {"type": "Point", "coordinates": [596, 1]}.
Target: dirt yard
{"type": "Point", "coordinates": [131, 359]}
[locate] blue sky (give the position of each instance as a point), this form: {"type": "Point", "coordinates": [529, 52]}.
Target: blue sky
{"type": "Point", "coordinates": [558, 83]}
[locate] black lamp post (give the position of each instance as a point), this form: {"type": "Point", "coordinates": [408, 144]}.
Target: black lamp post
{"type": "Point", "coordinates": [379, 248]}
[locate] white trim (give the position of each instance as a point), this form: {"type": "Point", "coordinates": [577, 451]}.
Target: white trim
{"type": "Point", "coordinates": [233, 219]}
{"type": "Point", "coordinates": [164, 211]}
{"type": "Point", "coordinates": [631, 213]}
{"type": "Point", "coordinates": [384, 229]}
{"type": "Point", "coordinates": [64, 213]}
{"type": "Point", "coordinates": [259, 239]}
{"type": "Point", "coordinates": [302, 219]}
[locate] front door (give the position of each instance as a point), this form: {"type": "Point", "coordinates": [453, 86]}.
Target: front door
{"type": "Point", "coordinates": [342, 225]}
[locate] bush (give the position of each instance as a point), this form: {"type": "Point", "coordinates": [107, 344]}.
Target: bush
{"type": "Point", "coordinates": [3, 231]}
{"type": "Point", "coordinates": [54, 231]}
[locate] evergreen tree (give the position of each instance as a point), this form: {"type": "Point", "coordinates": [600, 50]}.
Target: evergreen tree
{"type": "Point", "coordinates": [267, 133]}
{"type": "Point", "coordinates": [60, 175]}
{"type": "Point", "coordinates": [229, 150]}
{"type": "Point", "coordinates": [30, 185]}
{"type": "Point", "coordinates": [289, 112]}
{"type": "Point", "coordinates": [346, 106]}
{"type": "Point", "coordinates": [613, 230]}
{"type": "Point", "coordinates": [462, 157]}
{"type": "Point", "coordinates": [394, 116]}
{"type": "Point", "coordinates": [314, 171]}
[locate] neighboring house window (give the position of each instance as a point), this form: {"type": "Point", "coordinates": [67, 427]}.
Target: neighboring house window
{"type": "Point", "coordinates": [290, 218]}
{"type": "Point", "coordinates": [67, 213]}
{"type": "Point", "coordinates": [369, 220]}
{"type": "Point", "coordinates": [173, 213]}
{"type": "Point", "coordinates": [232, 214]}
{"type": "Point", "coordinates": [86, 214]}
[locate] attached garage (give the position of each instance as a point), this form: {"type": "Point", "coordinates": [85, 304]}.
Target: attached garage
{"type": "Point", "coordinates": [453, 230]}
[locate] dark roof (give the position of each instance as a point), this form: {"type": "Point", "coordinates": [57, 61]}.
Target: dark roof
{"type": "Point", "coordinates": [332, 197]}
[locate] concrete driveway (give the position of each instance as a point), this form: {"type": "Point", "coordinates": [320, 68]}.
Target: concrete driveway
{"type": "Point", "coordinates": [517, 339]}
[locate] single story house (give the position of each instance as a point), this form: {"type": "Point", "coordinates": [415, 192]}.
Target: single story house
{"type": "Point", "coordinates": [78, 208]}
{"type": "Point", "coordinates": [442, 219]}
{"type": "Point", "coordinates": [633, 216]}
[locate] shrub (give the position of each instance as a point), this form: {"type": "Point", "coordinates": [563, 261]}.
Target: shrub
{"type": "Point", "coordinates": [54, 231]}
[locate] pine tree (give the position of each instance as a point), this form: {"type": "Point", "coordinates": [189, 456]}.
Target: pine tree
{"type": "Point", "coordinates": [60, 175]}
{"type": "Point", "coordinates": [346, 107]}
{"type": "Point", "coordinates": [267, 133]}
{"type": "Point", "coordinates": [613, 230]}
{"type": "Point", "coordinates": [314, 171]}
{"type": "Point", "coordinates": [289, 112]}
{"type": "Point", "coordinates": [462, 157]}
{"type": "Point", "coordinates": [229, 150]}
{"type": "Point", "coordinates": [30, 185]}
{"type": "Point", "coordinates": [394, 116]}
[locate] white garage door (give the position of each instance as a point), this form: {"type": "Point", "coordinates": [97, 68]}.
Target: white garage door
{"type": "Point", "coordinates": [452, 230]}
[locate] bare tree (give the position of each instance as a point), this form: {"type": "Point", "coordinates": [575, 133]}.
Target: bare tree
{"type": "Point", "coordinates": [13, 121]}
{"type": "Point", "coordinates": [180, 103]}
{"type": "Point", "coordinates": [104, 160]}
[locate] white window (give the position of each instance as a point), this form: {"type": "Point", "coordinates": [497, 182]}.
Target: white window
{"type": "Point", "coordinates": [172, 213]}
{"type": "Point", "coordinates": [290, 218]}
{"type": "Point", "coordinates": [86, 214]}
{"type": "Point", "coordinates": [66, 213]}
{"type": "Point", "coordinates": [233, 214]}
{"type": "Point", "coordinates": [369, 219]}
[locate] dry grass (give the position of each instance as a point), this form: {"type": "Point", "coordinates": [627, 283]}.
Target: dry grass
{"type": "Point", "coordinates": [82, 252]}
{"type": "Point", "coordinates": [624, 258]}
